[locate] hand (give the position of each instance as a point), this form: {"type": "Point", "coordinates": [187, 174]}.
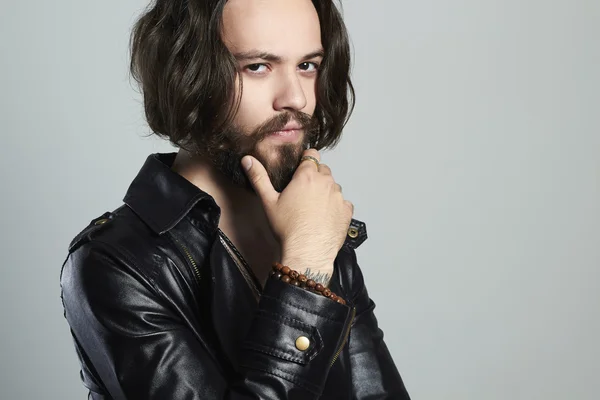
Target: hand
{"type": "Point", "coordinates": [309, 218]}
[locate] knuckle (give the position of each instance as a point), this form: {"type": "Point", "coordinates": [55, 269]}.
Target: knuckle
{"type": "Point", "coordinates": [306, 176]}
{"type": "Point", "coordinates": [329, 181]}
{"type": "Point", "coordinates": [349, 205]}
{"type": "Point", "coordinates": [255, 179]}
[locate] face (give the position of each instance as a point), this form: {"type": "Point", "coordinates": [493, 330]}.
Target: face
{"type": "Point", "coordinates": [277, 44]}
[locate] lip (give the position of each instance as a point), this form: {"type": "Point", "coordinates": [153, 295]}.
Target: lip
{"type": "Point", "coordinates": [286, 135]}
{"type": "Point", "coordinates": [289, 133]}
{"type": "Point", "coordinates": [291, 126]}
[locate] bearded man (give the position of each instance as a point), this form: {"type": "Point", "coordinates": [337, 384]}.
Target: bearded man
{"type": "Point", "coordinates": [230, 270]}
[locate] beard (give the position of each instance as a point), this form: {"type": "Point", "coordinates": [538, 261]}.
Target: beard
{"type": "Point", "coordinates": [230, 146]}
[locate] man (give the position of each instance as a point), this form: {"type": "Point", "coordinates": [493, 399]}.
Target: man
{"type": "Point", "coordinates": [174, 294]}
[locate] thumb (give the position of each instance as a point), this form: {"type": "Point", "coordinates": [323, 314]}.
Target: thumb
{"type": "Point", "coordinates": [258, 177]}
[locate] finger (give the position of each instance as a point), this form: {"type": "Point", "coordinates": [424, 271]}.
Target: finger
{"type": "Point", "coordinates": [324, 169]}
{"type": "Point", "coordinates": [308, 163]}
{"type": "Point", "coordinates": [309, 160]}
{"type": "Point", "coordinates": [349, 205]}
{"type": "Point", "coordinates": [313, 153]}
{"type": "Point", "coordinates": [338, 187]}
{"type": "Point", "coordinates": [258, 177]}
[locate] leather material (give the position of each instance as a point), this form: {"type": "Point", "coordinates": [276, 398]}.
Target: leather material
{"type": "Point", "coordinates": [159, 310]}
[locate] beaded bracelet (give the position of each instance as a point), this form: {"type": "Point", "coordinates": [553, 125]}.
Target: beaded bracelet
{"type": "Point", "coordinates": [288, 275]}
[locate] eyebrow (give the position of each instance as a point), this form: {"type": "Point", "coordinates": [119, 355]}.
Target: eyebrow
{"type": "Point", "coordinates": [257, 54]}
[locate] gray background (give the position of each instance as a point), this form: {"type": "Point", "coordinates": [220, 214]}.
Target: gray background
{"type": "Point", "coordinates": [472, 156]}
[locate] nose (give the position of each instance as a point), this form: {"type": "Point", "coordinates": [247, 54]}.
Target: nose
{"type": "Point", "coordinates": [290, 93]}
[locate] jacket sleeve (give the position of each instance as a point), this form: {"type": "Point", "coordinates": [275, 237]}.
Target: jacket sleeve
{"type": "Point", "coordinates": [133, 344]}
{"type": "Point", "coordinates": [374, 374]}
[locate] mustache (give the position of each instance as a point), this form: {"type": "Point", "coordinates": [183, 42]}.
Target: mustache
{"type": "Point", "coordinates": [278, 122]}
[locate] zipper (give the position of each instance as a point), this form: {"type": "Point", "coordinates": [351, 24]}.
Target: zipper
{"type": "Point", "coordinates": [337, 354]}
{"type": "Point", "coordinates": [189, 257]}
{"type": "Point", "coordinates": [244, 271]}
{"type": "Point", "coordinates": [245, 268]}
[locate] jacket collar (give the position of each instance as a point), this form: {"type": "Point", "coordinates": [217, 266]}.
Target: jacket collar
{"type": "Point", "coordinates": [160, 196]}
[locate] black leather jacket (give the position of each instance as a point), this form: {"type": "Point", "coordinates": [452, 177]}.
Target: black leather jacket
{"type": "Point", "coordinates": [158, 309]}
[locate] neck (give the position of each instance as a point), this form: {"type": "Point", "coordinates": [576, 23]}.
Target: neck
{"type": "Point", "coordinates": [242, 219]}
{"type": "Point", "coordinates": [234, 201]}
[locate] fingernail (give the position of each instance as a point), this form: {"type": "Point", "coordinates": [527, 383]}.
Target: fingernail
{"type": "Point", "coordinates": [246, 163]}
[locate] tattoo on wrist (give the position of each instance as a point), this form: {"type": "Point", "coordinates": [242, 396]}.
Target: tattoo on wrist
{"type": "Point", "coordinates": [318, 277]}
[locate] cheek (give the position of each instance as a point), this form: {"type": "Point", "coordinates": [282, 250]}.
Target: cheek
{"type": "Point", "coordinates": [310, 92]}
{"type": "Point", "coordinates": [254, 106]}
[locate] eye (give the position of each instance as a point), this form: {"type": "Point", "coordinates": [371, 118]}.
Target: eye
{"type": "Point", "coordinates": [309, 66]}
{"type": "Point", "coordinates": [257, 68]}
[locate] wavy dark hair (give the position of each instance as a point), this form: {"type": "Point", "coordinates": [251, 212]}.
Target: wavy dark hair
{"type": "Point", "coordinates": [187, 74]}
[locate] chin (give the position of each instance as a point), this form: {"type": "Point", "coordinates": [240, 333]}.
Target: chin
{"type": "Point", "coordinates": [281, 163]}
{"type": "Point", "coordinates": [277, 154]}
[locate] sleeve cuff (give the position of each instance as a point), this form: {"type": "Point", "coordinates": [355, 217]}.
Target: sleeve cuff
{"type": "Point", "coordinates": [296, 335]}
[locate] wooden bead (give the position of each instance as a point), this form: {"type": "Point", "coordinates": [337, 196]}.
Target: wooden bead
{"type": "Point", "coordinates": [288, 275]}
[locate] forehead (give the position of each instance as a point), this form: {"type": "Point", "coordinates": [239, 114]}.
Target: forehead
{"type": "Point", "coordinates": [282, 27]}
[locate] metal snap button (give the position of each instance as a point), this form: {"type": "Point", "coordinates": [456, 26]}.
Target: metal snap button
{"type": "Point", "coordinates": [101, 221]}
{"type": "Point", "coordinates": [302, 343]}
{"type": "Point", "coordinates": [353, 232]}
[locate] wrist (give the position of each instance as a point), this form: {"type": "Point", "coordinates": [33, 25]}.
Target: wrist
{"type": "Point", "coordinates": [319, 272]}
{"type": "Point", "coordinates": [297, 278]}
{"type": "Point", "coordinates": [302, 265]}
